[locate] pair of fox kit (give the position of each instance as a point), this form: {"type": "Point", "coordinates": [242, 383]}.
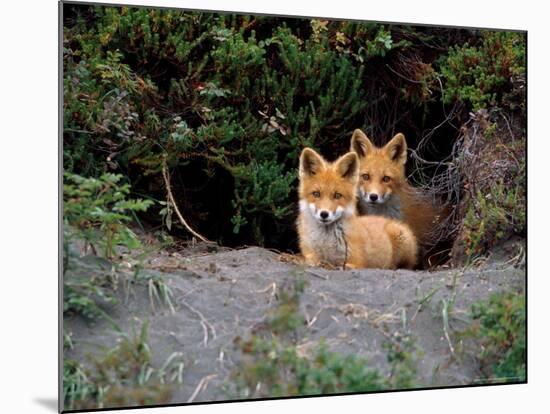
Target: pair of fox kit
{"type": "Point", "coordinates": [359, 211]}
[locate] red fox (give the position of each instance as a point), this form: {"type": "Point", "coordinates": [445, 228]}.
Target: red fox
{"type": "Point", "coordinates": [383, 188]}
{"type": "Point", "coordinates": [329, 229]}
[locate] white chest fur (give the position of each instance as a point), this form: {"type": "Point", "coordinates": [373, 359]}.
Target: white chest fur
{"type": "Point", "coordinates": [328, 241]}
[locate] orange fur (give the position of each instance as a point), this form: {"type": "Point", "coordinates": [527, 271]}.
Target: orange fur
{"type": "Point", "coordinates": [382, 176]}
{"type": "Point", "coordinates": [330, 230]}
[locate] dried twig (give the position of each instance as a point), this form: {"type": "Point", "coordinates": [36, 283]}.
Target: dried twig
{"type": "Point", "coordinates": [403, 76]}
{"type": "Point", "coordinates": [173, 202]}
{"type": "Point", "coordinates": [201, 386]}
{"type": "Point", "coordinates": [204, 322]}
{"type": "Point", "coordinates": [272, 288]}
{"type": "Point", "coordinates": [319, 275]}
{"type": "Point", "coordinates": [311, 321]}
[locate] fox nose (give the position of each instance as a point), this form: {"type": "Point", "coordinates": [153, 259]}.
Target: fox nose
{"type": "Point", "coordinates": [373, 197]}
{"type": "Point", "coordinates": [324, 214]}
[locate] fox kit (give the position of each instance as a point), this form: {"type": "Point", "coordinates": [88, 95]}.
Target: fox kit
{"type": "Point", "coordinates": [331, 232]}
{"type": "Point", "coordinates": [383, 188]}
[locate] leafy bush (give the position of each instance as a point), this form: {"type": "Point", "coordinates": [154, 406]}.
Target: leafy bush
{"type": "Point", "coordinates": [499, 326]}
{"type": "Point", "coordinates": [492, 218]}
{"type": "Point", "coordinates": [99, 209]}
{"type": "Point", "coordinates": [484, 75]}
{"type": "Point", "coordinates": [234, 96]}
{"type": "Point", "coordinates": [96, 210]}
{"type": "Point", "coordinates": [231, 100]}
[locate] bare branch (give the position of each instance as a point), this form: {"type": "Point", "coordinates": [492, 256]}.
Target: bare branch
{"type": "Point", "coordinates": [173, 201]}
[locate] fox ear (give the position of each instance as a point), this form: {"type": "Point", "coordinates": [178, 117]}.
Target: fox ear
{"type": "Point", "coordinates": [310, 162]}
{"type": "Point", "coordinates": [348, 166]}
{"type": "Point", "coordinates": [397, 148]}
{"type": "Point", "coordinates": [360, 143]}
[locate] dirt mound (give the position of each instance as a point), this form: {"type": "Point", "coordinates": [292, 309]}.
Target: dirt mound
{"type": "Point", "coordinates": [221, 296]}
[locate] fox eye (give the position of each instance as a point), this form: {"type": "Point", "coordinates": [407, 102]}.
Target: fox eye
{"type": "Point", "coordinates": [366, 177]}
{"type": "Point", "coordinates": [316, 194]}
{"type": "Point", "coordinates": [337, 196]}
{"type": "Point", "coordinates": [386, 179]}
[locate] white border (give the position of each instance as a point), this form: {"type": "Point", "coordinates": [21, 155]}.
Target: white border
{"type": "Point", "coordinates": [28, 212]}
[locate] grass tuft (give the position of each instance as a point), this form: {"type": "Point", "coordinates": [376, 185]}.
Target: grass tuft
{"type": "Point", "coordinates": [122, 377]}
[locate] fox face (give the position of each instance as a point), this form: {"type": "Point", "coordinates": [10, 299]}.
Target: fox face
{"type": "Point", "coordinates": [328, 190]}
{"type": "Point", "coordinates": [381, 170]}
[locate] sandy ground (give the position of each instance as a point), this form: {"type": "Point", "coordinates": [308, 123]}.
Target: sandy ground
{"type": "Point", "coordinates": [223, 295]}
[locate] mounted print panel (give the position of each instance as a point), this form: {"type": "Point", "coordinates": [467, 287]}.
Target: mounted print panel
{"type": "Point", "coordinates": [261, 207]}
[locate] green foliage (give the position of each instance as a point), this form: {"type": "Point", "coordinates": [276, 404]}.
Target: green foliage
{"type": "Point", "coordinates": [483, 75]}
{"type": "Point", "coordinates": [493, 217]}
{"type": "Point", "coordinates": [269, 187]}
{"type": "Point", "coordinates": [159, 291]}
{"type": "Point", "coordinates": [76, 385]}
{"type": "Point", "coordinates": [235, 58]}
{"type": "Point", "coordinates": [379, 46]}
{"type": "Point", "coordinates": [87, 298]}
{"type": "Point", "coordinates": [231, 100]}
{"type": "Point", "coordinates": [141, 83]}
{"type": "Point", "coordinates": [122, 377]}
{"type": "Point", "coordinates": [99, 209]}
{"type": "Point", "coordinates": [277, 370]}
{"type": "Point", "coordinates": [285, 319]}
{"type": "Point", "coordinates": [67, 341]}
{"type": "Point", "coordinates": [402, 353]}
{"type": "Point", "coordinates": [273, 366]}
{"type": "Point", "coordinates": [90, 297]}
{"type": "Point", "coordinates": [499, 326]}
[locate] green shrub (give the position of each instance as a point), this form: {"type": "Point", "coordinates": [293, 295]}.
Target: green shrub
{"type": "Point", "coordinates": [494, 217]}
{"type": "Point", "coordinates": [483, 74]}
{"type": "Point", "coordinates": [97, 211]}
{"type": "Point", "coordinates": [231, 100]}
{"type": "Point", "coordinates": [239, 93]}
{"type": "Point", "coordinates": [99, 208]}
{"type": "Point", "coordinates": [499, 326]}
